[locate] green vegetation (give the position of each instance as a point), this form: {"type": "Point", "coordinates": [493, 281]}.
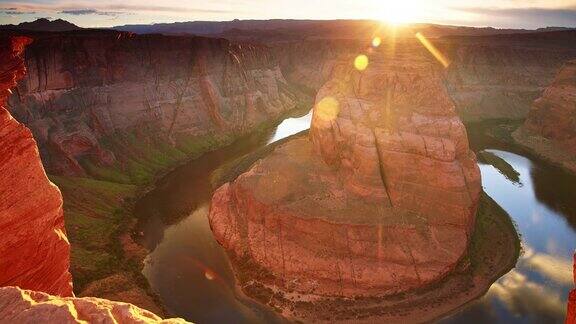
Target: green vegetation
{"type": "Point", "coordinates": [142, 155]}
{"type": "Point", "coordinates": [95, 215]}
{"type": "Point", "coordinates": [98, 210]}
{"type": "Point", "coordinates": [500, 164]}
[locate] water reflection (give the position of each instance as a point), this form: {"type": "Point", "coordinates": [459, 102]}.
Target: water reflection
{"type": "Point", "coordinates": [536, 290]}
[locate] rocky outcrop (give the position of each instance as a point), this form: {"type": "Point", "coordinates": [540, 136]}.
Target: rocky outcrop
{"type": "Point", "coordinates": [25, 306]}
{"type": "Point", "coordinates": [380, 200]}
{"type": "Point", "coordinates": [550, 129]}
{"type": "Point", "coordinates": [34, 250]}
{"type": "Point", "coordinates": [85, 87]}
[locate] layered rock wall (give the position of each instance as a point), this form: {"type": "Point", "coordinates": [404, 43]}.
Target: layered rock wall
{"type": "Point", "coordinates": [85, 86]}
{"type": "Point", "coordinates": [34, 250]}
{"type": "Point", "coordinates": [499, 77]}
{"type": "Point", "coordinates": [489, 77]}
{"type": "Point", "coordinates": [550, 129]}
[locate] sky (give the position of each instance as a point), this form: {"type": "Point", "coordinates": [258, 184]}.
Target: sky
{"type": "Point", "coordinates": [528, 14]}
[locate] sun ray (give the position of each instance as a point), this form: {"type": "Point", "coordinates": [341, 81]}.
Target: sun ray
{"type": "Point", "coordinates": [433, 50]}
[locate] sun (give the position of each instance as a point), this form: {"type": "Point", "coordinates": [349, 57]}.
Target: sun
{"type": "Point", "coordinates": [397, 12]}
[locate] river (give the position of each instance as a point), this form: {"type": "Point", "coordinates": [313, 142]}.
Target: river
{"type": "Point", "coordinates": [190, 271]}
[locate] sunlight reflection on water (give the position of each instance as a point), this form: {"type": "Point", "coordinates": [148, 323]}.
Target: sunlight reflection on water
{"type": "Point", "coordinates": [291, 126]}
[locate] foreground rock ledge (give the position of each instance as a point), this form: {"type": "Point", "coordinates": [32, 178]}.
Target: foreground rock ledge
{"type": "Point", "coordinates": [380, 200]}
{"type": "Point", "coordinates": [25, 306]}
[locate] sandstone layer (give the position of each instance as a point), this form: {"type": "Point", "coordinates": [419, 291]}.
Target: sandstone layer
{"type": "Point", "coordinates": [550, 129]}
{"type": "Point", "coordinates": [34, 250]}
{"type": "Point", "coordinates": [380, 200]}
{"type": "Point", "coordinates": [499, 76]}
{"type": "Point", "coordinates": [26, 306]}
{"type": "Point", "coordinates": [85, 87]}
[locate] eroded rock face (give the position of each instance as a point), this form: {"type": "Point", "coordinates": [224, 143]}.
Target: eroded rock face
{"type": "Point", "coordinates": [380, 200]}
{"type": "Point", "coordinates": [34, 250]}
{"type": "Point", "coordinates": [25, 306]}
{"type": "Point", "coordinates": [84, 87]}
{"type": "Point", "coordinates": [553, 115]}
{"type": "Point", "coordinates": [550, 128]}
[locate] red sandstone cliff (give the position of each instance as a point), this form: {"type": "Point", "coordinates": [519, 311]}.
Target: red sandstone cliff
{"type": "Point", "coordinates": [571, 311]}
{"type": "Point", "coordinates": [85, 87]}
{"type": "Point", "coordinates": [381, 199]}
{"type": "Point", "coordinates": [550, 129]}
{"type": "Point", "coordinates": [34, 250]}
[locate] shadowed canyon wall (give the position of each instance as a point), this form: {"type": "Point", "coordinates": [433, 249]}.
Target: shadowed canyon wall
{"type": "Point", "coordinates": [499, 76]}
{"type": "Point", "coordinates": [34, 249]}
{"type": "Point", "coordinates": [550, 129]}
{"type": "Point", "coordinates": [489, 77]}
{"type": "Point", "coordinates": [89, 94]}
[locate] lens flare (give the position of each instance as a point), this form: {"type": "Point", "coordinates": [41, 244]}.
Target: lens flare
{"type": "Point", "coordinates": [376, 41]}
{"type": "Point", "coordinates": [327, 109]}
{"type": "Point", "coordinates": [433, 50]}
{"type": "Point", "coordinates": [209, 274]}
{"type": "Point", "coordinates": [361, 62]}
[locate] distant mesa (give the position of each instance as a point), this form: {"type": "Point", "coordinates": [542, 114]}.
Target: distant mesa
{"type": "Point", "coordinates": [294, 28]}
{"type": "Point", "coordinates": [43, 24]}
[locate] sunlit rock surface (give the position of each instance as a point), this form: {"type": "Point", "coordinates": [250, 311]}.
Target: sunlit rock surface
{"type": "Point", "coordinates": [34, 250]}
{"type": "Point", "coordinates": [380, 200]}
{"type": "Point", "coordinates": [550, 129]}
{"type": "Point", "coordinates": [84, 87]}
{"type": "Point", "coordinates": [25, 306]}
